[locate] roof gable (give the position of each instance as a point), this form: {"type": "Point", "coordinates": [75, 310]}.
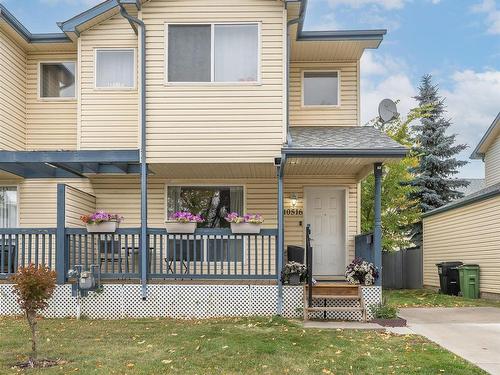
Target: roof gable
{"type": "Point", "coordinates": [488, 138]}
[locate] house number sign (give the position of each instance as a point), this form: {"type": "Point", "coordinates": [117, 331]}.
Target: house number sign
{"type": "Point", "coordinates": [293, 212]}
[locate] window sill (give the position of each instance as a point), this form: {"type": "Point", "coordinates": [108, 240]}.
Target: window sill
{"type": "Point", "coordinates": [213, 84]}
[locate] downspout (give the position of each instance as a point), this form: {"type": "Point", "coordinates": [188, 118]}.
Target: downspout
{"type": "Point", "coordinates": [144, 169]}
{"type": "Point", "coordinates": [289, 24]}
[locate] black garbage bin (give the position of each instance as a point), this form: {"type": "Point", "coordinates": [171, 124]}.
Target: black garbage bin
{"type": "Point", "coordinates": [295, 254]}
{"type": "Point", "coordinates": [448, 277]}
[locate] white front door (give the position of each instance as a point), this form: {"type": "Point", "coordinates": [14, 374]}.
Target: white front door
{"type": "Point", "coordinates": [325, 212]}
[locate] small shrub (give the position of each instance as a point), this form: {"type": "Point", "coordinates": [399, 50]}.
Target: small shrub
{"type": "Point", "coordinates": [34, 285]}
{"type": "Point", "coordinates": [384, 311]}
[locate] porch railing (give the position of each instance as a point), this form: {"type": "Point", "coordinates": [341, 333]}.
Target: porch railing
{"type": "Point", "coordinates": [206, 254]}
{"type": "Point", "coordinates": [22, 246]}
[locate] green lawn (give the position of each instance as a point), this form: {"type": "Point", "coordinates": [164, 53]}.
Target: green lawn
{"type": "Point", "coordinates": [230, 346]}
{"type": "Point", "coordinates": [429, 298]}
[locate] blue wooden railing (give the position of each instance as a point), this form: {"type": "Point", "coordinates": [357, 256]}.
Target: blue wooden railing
{"type": "Point", "coordinates": [22, 246]}
{"type": "Point", "coordinates": [206, 254]}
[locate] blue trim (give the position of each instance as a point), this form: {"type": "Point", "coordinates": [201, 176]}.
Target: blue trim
{"type": "Point", "coordinates": [477, 154]}
{"type": "Point", "coordinates": [61, 268]}
{"type": "Point", "coordinates": [377, 227]}
{"type": "Point", "coordinates": [26, 34]}
{"type": "Point", "coordinates": [337, 35]}
{"type": "Point", "coordinates": [462, 203]}
{"type": "Point", "coordinates": [84, 156]}
{"type": "Point", "coordinates": [71, 25]}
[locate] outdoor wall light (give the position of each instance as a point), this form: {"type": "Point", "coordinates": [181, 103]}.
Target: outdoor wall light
{"type": "Point", "coordinates": [293, 199]}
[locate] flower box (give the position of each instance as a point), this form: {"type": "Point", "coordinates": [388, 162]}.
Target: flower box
{"type": "Point", "coordinates": [177, 227]}
{"type": "Point", "coordinates": [104, 227]}
{"type": "Point", "coordinates": [245, 228]}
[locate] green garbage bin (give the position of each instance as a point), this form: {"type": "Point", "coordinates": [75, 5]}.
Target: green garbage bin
{"type": "Point", "coordinates": [469, 280]}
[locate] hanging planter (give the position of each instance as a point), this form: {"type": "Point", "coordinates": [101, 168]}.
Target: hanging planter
{"type": "Point", "coordinates": [101, 222]}
{"type": "Point", "coordinates": [183, 222]}
{"type": "Point", "coordinates": [246, 224]}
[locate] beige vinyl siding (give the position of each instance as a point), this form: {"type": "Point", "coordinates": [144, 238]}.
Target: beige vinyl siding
{"type": "Point", "coordinates": [12, 95]}
{"type": "Point", "coordinates": [470, 234]}
{"type": "Point", "coordinates": [215, 122]}
{"type": "Point", "coordinates": [78, 203]}
{"type": "Point", "coordinates": [38, 200]}
{"type": "Point", "coordinates": [50, 123]}
{"type": "Point", "coordinates": [109, 118]}
{"type": "Point", "coordinates": [344, 115]}
{"type": "Point", "coordinates": [492, 163]}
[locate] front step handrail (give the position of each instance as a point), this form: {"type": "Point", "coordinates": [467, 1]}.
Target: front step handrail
{"type": "Point", "coordinates": [309, 263]}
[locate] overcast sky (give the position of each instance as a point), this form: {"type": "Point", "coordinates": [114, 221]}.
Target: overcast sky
{"type": "Point", "coordinates": [457, 41]}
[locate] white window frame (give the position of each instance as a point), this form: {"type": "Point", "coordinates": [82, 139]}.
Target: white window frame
{"type": "Point", "coordinates": [319, 106]}
{"type": "Point", "coordinates": [17, 201]}
{"type": "Point", "coordinates": [112, 49]}
{"type": "Point", "coordinates": [212, 54]}
{"type": "Point", "coordinates": [56, 98]}
{"type": "Point", "coordinates": [192, 237]}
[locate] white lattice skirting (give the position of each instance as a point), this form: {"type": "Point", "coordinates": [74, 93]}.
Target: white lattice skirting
{"type": "Point", "coordinates": [119, 301]}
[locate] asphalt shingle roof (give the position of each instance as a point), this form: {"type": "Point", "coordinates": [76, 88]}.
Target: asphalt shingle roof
{"type": "Point", "coordinates": [485, 193]}
{"type": "Point", "coordinates": [341, 137]}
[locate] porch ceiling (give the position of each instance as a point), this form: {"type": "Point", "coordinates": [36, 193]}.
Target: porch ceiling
{"type": "Point", "coordinates": [323, 166]}
{"type": "Point", "coordinates": [214, 170]}
{"type": "Point", "coordinates": [69, 164]}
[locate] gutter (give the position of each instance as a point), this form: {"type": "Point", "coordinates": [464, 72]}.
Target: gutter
{"type": "Point", "coordinates": [287, 78]}
{"type": "Point", "coordinates": [144, 170]}
{"type": "Point", "coordinates": [462, 203]}
{"type": "Point", "coordinates": [26, 34]}
{"type": "Point", "coordinates": [346, 152]}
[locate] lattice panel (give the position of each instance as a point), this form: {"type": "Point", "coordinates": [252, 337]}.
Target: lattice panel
{"type": "Point", "coordinates": [263, 299]}
{"type": "Point", "coordinates": [372, 296]}
{"type": "Point", "coordinates": [183, 301]}
{"type": "Point", "coordinates": [61, 305]}
{"type": "Point", "coordinates": [293, 303]}
{"type": "Point", "coordinates": [106, 304]}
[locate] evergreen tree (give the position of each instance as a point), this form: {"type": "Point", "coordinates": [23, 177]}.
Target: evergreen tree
{"type": "Point", "coordinates": [398, 212]}
{"type": "Point", "coordinates": [436, 151]}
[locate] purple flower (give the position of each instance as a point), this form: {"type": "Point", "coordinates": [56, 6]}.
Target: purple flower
{"type": "Point", "coordinates": [186, 217]}
{"type": "Point", "coordinates": [101, 217]}
{"type": "Point", "coordinates": [234, 217]}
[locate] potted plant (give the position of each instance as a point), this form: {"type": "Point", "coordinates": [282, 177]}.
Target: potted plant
{"type": "Point", "coordinates": [246, 224]}
{"type": "Point", "coordinates": [361, 272]}
{"type": "Point", "coordinates": [294, 273]}
{"type": "Point", "coordinates": [183, 222]}
{"type": "Point", "coordinates": [101, 222]}
{"type": "Point", "coordinates": [386, 315]}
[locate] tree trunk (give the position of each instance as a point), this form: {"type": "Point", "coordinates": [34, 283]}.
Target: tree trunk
{"type": "Point", "coordinates": [31, 317]}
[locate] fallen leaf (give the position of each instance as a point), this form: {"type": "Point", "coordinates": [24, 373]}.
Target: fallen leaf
{"type": "Point", "coordinates": [166, 361]}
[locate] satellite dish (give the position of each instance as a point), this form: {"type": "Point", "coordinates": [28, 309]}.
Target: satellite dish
{"type": "Point", "coordinates": [387, 110]}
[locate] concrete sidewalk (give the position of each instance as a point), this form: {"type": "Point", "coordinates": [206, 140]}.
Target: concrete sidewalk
{"type": "Point", "coordinates": [472, 333]}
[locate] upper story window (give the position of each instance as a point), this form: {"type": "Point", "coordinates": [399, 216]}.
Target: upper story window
{"type": "Point", "coordinates": [320, 88]}
{"type": "Point", "coordinates": [115, 68]}
{"type": "Point", "coordinates": [213, 53]}
{"type": "Point", "coordinates": [57, 80]}
{"type": "Point", "coordinates": [8, 206]}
